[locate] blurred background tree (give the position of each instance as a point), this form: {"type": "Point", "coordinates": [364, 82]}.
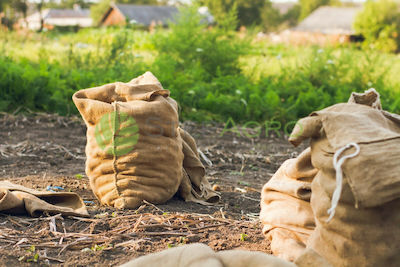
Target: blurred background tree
{"type": "Point", "coordinates": [379, 23]}
{"type": "Point", "coordinates": [249, 13]}
{"type": "Point", "coordinates": [308, 6]}
{"type": "Point", "coordinates": [3, 4]}
{"type": "Point", "coordinates": [292, 17]}
{"type": "Point", "coordinates": [270, 17]}
{"type": "Point", "coordinates": [97, 11]}
{"type": "Point", "coordinates": [21, 6]}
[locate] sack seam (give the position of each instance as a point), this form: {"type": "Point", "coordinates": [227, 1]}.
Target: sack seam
{"type": "Point", "coordinates": [114, 164]}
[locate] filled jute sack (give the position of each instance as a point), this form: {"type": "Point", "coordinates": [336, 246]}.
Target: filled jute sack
{"type": "Point", "coordinates": [135, 150]}
{"type": "Point", "coordinates": [200, 255]}
{"type": "Point", "coordinates": [286, 212]}
{"type": "Point", "coordinates": [355, 196]}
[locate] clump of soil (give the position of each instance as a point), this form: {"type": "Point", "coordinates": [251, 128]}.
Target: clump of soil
{"type": "Point", "coordinates": [41, 150]}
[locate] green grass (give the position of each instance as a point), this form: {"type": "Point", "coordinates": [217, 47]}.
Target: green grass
{"type": "Point", "coordinates": [213, 74]}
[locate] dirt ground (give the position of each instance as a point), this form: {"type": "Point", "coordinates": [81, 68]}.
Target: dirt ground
{"type": "Point", "coordinates": [41, 150]}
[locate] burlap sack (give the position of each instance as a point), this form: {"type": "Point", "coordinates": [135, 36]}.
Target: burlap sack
{"type": "Point", "coordinates": [134, 148]}
{"type": "Point", "coordinates": [310, 258]}
{"type": "Point", "coordinates": [285, 208]}
{"type": "Point", "coordinates": [200, 255]}
{"type": "Point", "coordinates": [365, 227]}
{"type": "Point", "coordinates": [244, 258]}
{"type": "Point", "coordinates": [194, 186]}
{"type": "Point", "coordinates": [17, 199]}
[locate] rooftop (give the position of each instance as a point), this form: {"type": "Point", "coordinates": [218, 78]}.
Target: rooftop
{"type": "Point", "coordinates": [330, 20]}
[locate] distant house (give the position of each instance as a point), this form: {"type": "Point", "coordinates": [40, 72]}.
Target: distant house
{"type": "Point", "coordinates": [59, 17]}
{"type": "Point", "coordinates": [121, 14]}
{"type": "Point", "coordinates": [327, 25]}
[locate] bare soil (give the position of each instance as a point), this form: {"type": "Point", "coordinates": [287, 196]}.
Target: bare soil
{"type": "Point", "coordinates": [41, 150]}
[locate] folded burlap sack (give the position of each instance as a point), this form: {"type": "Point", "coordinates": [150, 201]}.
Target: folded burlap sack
{"type": "Point", "coordinates": [355, 194]}
{"type": "Point", "coordinates": [200, 255]}
{"type": "Point", "coordinates": [17, 199]}
{"type": "Point", "coordinates": [194, 186]}
{"type": "Point", "coordinates": [134, 146]}
{"type": "Point", "coordinates": [285, 207]}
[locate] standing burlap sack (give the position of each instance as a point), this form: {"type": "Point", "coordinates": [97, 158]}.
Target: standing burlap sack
{"type": "Point", "coordinates": [134, 148]}
{"type": "Point", "coordinates": [134, 151]}
{"type": "Point", "coordinates": [364, 229]}
{"type": "Point", "coordinates": [285, 208]}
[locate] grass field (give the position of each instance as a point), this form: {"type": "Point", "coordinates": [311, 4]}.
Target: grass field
{"type": "Point", "coordinates": [213, 74]}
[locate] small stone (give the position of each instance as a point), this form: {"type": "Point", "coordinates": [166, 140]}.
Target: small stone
{"type": "Point", "coordinates": [193, 238]}
{"type": "Point", "coordinates": [216, 188]}
{"type": "Point", "coordinates": [67, 156]}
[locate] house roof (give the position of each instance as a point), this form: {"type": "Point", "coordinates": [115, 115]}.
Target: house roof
{"type": "Point", "coordinates": [68, 13]}
{"type": "Point", "coordinates": [145, 15]}
{"type": "Point", "coordinates": [61, 13]}
{"type": "Point", "coordinates": [330, 20]}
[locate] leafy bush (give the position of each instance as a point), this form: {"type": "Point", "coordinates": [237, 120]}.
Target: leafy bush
{"type": "Point", "coordinates": [48, 85]}
{"type": "Point", "coordinates": [308, 6]}
{"type": "Point", "coordinates": [191, 58]}
{"type": "Point", "coordinates": [379, 23]}
{"type": "Point", "coordinates": [191, 45]}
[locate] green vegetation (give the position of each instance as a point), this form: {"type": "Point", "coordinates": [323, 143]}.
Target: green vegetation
{"type": "Point", "coordinates": [79, 176]}
{"type": "Point", "coordinates": [249, 12]}
{"type": "Point", "coordinates": [243, 237]}
{"type": "Point", "coordinates": [97, 11]}
{"type": "Point", "coordinates": [379, 23]}
{"type": "Point", "coordinates": [308, 6]}
{"type": "Point", "coordinates": [213, 73]}
{"type": "Point", "coordinates": [259, 13]}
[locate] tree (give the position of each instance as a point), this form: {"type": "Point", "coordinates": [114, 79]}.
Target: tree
{"type": "Point", "coordinates": [248, 12]}
{"type": "Point", "coordinates": [219, 8]}
{"type": "Point", "coordinates": [97, 11]}
{"type": "Point", "coordinates": [291, 18]}
{"type": "Point", "coordinates": [379, 24]}
{"type": "Point", "coordinates": [256, 12]}
{"type": "Point", "coordinates": [21, 6]}
{"type": "Point", "coordinates": [40, 4]}
{"type": "Point", "coordinates": [308, 6]}
{"type": "Point", "coordinates": [13, 10]}
{"type": "Point", "coordinates": [271, 18]}
{"type": "Point", "coordinates": [39, 7]}
{"type": "Point", "coordinates": [4, 4]}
